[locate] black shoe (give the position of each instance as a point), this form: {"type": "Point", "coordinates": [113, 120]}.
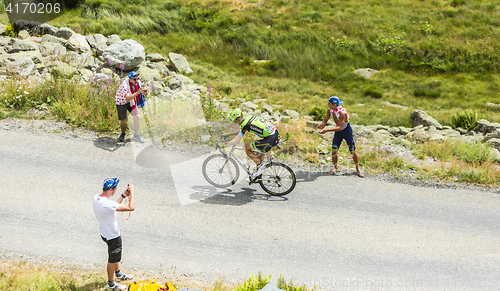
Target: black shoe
{"type": "Point", "coordinates": [122, 137]}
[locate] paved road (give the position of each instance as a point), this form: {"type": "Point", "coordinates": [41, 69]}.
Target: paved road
{"type": "Point", "coordinates": [342, 232]}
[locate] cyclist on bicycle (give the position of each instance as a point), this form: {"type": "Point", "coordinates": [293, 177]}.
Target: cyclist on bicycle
{"type": "Point", "coordinates": [261, 128]}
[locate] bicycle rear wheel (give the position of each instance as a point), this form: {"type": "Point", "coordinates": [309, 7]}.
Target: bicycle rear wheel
{"type": "Point", "coordinates": [278, 180]}
{"type": "Point", "coordinates": [220, 171]}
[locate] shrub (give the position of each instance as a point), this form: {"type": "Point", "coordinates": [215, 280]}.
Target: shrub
{"type": "Point", "coordinates": [465, 119]}
{"type": "Point", "coordinates": [317, 112]}
{"type": "Point", "coordinates": [9, 31]}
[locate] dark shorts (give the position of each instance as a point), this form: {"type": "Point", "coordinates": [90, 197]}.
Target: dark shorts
{"type": "Point", "coordinates": [122, 111]}
{"type": "Point", "coordinates": [345, 134]}
{"type": "Point", "coordinates": [114, 249]}
{"type": "Point", "coordinates": [265, 145]}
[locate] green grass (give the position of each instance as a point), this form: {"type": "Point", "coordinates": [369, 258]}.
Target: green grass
{"type": "Point", "coordinates": [17, 276]}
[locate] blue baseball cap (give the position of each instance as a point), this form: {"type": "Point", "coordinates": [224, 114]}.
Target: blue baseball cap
{"type": "Point", "coordinates": [110, 183]}
{"type": "Point", "coordinates": [132, 74]}
{"type": "Point", "coordinates": [335, 100]}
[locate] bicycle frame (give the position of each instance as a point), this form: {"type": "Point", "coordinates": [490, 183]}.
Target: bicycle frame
{"type": "Point", "coordinates": [235, 157]}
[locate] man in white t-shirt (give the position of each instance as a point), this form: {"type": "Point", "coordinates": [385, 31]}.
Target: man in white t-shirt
{"type": "Point", "coordinates": [105, 212]}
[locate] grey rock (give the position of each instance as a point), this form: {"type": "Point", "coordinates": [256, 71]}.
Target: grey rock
{"type": "Point", "coordinates": [50, 49]}
{"type": "Point", "coordinates": [97, 42]}
{"type": "Point", "coordinates": [148, 74]}
{"type": "Point", "coordinates": [16, 45]}
{"type": "Point", "coordinates": [2, 29]}
{"type": "Point", "coordinates": [495, 143]}
{"type": "Point", "coordinates": [484, 126]}
{"type": "Point", "coordinates": [267, 108]}
{"type": "Point", "coordinates": [419, 135]}
{"type": "Point", "coordinates": [155, 58]}
{"type": "Point", "coordinates": [291, 113]}
{"type": "Point", "coordinates": [30, 26]}
{"type": "Point", "coordinates": [78, 43]}
{"type": "Point", "coordinates": [23, 34]}
{"type": "Point", "coordinates": [5, 41]}
{"type": "Point", "coordinates": [249, 105]}
{"type": "Point", "coordinates": [366, 73]}
{"type": "Point", "coordinates": [112, 39]}
{"type": "Point", "coordinates": [158, 66]}
{"type": "Point", "coordinates": [21, 67]}
{"type": "Point", "coordinates": [46, 29]}
{"type": "Point", "coordinates": [419, 117]}
{"type": "Point", "coordinates": [491, 135]}
{"type": "Point", "coordinates": [128, 52]}
{"type": "Point", "coordinates": [53, 39]}
{"type": "Point", "coordinates": [35, 56]}
{"type": "Point", "coordinates": [180, 63]}
{"type": "Point", "coordinates": [85, 60]}
{"type": "Point", "coordinates": [175, 83]}
{"type": "Point", "coordinates": [65, 32]}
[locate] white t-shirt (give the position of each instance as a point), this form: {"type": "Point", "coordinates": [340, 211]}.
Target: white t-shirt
{"type": "Point", "coordinates": [105, 212]}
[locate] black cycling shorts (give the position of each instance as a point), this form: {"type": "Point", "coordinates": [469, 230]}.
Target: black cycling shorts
{"type": "Point", "coordinates": [114, 249]}
{"type": "Point", "coordinates": [265, 145]}
{"type": "Point", "coordinates": [122, 111]}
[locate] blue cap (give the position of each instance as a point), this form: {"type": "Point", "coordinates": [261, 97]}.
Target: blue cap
{"type": "Point", "coordinates": [110, 183]}
{"type": "Point", "coordinates": [335, 100]}
{"type": "Point", "coordinates": [132, 74]}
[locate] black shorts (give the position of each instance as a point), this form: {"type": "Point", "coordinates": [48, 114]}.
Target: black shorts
{"type": "Point", "coordinates": [122, 111]}
{"type": "Point", "coordinates": [114, 249]}
{"type": "Point", "coordinates": [265, 145]}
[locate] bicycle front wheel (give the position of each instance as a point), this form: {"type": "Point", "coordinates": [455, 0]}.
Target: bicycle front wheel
{"type": "Point", "coordinates": [220, 171]}
{"type": "Point", "coordinates": [278, 180]}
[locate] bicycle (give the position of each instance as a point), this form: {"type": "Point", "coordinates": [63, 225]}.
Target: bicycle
{"type": "Point", "coordinates": [222, 171]}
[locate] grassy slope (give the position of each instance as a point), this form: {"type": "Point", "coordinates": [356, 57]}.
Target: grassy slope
{"type": "Point", "coordinates": [438, 56]}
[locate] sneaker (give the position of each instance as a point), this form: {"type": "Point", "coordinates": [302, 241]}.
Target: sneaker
{"type": "Point", "coordinates": [116, 286]}
{"type": "Point", "coordinates": [123, 277]}
{"type": "Point", "coordinates": [138, 138]}
{"type": "Point", "coordinates": [122, 137]}
{"type": "Point", "coordinates": [261, 169]}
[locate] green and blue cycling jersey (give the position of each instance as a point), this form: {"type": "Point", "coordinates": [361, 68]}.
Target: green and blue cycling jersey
{"type": "Point", "coordinates": [257, 126]}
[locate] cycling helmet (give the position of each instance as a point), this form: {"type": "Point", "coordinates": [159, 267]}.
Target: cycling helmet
{"type": "Point", "coordinates": [235, 114]}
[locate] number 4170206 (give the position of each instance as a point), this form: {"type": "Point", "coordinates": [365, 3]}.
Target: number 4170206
{"type": "Point", "coordinates": [33, 8]}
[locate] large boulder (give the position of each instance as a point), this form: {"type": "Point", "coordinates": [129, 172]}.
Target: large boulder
{"type": "Point", "coordinates": [97, 42]}
{"type": "Point", "coordinates": [65, 32]}
{"type": "Point", "coordinates": [419, 117]}
{"type": "Point", "coordinates": [78, 43]}
{"type": "Point", "coordinates": [128, 52]}
{"type": "Point", "coordinates": [180, 63]}
{"type": "Point", "coordinates": [17, 45]}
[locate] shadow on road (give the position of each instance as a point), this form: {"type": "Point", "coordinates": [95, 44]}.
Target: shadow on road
{"type": "Point", "coordinates": [209, 195]}
{"type": "Point", "coordinates": [108, 144]}
{"type": "Point", "coordinates": [303, 176]}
